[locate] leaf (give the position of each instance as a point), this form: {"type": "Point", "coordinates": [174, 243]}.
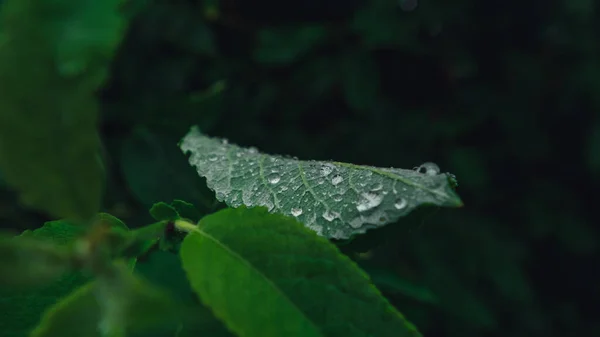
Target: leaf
{"type": "Point", "coordinates": [267, 275]}
{"type": "Point", "coordinates": [20, 309]}
{"type": "Point", "coordinates": [155, 170]}
{"type": "Point", "coordinates": [54, 55]}
{"type": "Point", "coordinates": [163, 211]}
{"type": "Point", "coordinates": [186, 210]}
{"type": "Point", "coordinates": [121, 302]}
{"type": "Point", "coordinates": [334, 199]}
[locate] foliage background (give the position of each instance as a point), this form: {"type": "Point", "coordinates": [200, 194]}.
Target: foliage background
{"type": "Point", "coordinates": [504, 94]}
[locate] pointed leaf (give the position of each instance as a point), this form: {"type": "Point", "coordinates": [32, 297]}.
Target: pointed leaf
{"type": "Point", "coordinates": [267, 275]}
{"type": "Point", "coordinates": [186, 210]}
{"type": "Point", "coordinates": [54, 56]}
{"type": "Point", "coordinates": [163, 211]}
{"type": "Point", "coordinates": [334, 199]}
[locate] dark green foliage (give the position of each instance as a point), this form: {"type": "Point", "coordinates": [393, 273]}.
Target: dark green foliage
{"type": "Point", "coordinates": [154, 171]}
{"type": "Point", "coordinates": [54, 55]}
{"type": "Point", "coordinates": [502, 94]}
{"type": "Point", "coordinates": [20, 310]}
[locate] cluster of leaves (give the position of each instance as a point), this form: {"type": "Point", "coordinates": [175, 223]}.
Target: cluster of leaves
{"type": "Point", "coordinates": [239, 270]}
{"type": "Point", "coordinates": [483, 89]}
{"type": "Point", "coordinates": [486, 89]}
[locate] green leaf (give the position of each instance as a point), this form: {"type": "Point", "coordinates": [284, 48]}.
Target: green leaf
{"type": "Point", "coordinates": [54, 55]}
{"type": "Point", "coordinates": [267, 275]}
{"type": "Point", "coordinates": [186, 210]}
{"type": "Point", "coordinates": [334, 199]}
{"type": "Point", "coordinates": [115, 304]}
{"type": "Point", "coordinates": [155, 171]}
{"type": "Point", "coordinates": [20, 309]}
{"type": "Point", "coordinates": [286, 45]}
{"type": "Point", "coordinates": [163, 211]}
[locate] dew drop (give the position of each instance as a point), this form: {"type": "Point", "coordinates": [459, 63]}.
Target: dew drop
{"type": "Point", "coordinates": [337, 197]}
{"type": "Point", "coordinates": [326, 169]}
{"type": "Point", "coordinates": [252, 150]}
{"type": "Point", "coordinates": [401, 203]}
{"type": "Point", "coordinates": [224, 141]}
{"type": "Point", "coordinates": [377, 187]}
{"type": "Point", "coordinates": [336, 180]}
{"type": "Point", "coordinates": [296, 211]}
{"type": "Point", "coordinates": [329, 215]}
{"type": "Point", "coordinates": [429, 168]}
{"type": "Point", "coordinates": [369, 201]}
{"type": "Point", "coordinates": [213, 157]}
{"type": "Point", "coordinates": [274, 178]}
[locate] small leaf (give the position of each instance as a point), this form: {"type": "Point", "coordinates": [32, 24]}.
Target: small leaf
{"type": "Point", "coordinates": [255, 269]}
{"type": "Point", "coordinates": [54, 55]}
{"type": "Point", "coordinates": [163, 211]}
{"type": "Point", "coordinates": [186, 210]}
{"type": "Point", "coordinates": [334, 199]}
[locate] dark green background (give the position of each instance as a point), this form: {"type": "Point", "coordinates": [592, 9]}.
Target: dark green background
{"type": "Point", "coordinates": [504, 94]}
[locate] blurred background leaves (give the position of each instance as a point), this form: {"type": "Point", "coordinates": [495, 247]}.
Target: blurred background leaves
{"type": "Point", "coordinates": [504, 94]}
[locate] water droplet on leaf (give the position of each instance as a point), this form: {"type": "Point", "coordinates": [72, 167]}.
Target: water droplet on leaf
{"type": "Point", "coordinates": [274, 178]}
{"type": "Point", "coordinates": [326, 169]}
{"type": "Point", "coordinates": [401, 203]}
{"type": "Point", "coordinates": [329, 215]}
{"type": "Point", "coordinates": [337, 179]}
{"type": "Point", "coordinates": [296, 211]}
{"type": "Point", "coordinates": [369, 201]}
{"type": "Point", "coordinates": [430, 169]}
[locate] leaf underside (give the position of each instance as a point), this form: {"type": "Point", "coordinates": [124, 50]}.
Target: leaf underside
{"type": "Point", "coordinates": [337, 200]}
{"type": "Point", "coordinates": [267, 275]}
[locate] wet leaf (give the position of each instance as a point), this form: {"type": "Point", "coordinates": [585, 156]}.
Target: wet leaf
{"type": "Point", "coordinates": [334, 199]}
